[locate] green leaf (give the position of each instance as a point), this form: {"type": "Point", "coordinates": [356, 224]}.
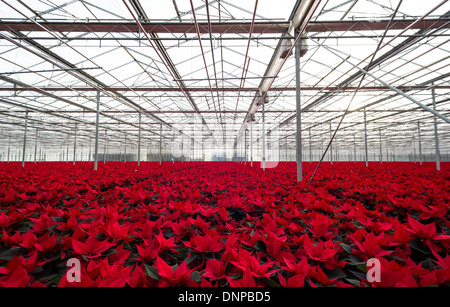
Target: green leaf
{"type": "Point", "coordinates": [355, 260]}
{"type": "Point", "coordinates": [347, 248]}
{"type": "Point", "coordinates": [152, 272]}
{"type": "Point", "coordinates": [59, 219]}
{"type": "Point", "coordinates": [337, 273]}
{"type": "Point", "coordinates": [419, 246]}
{"type": "Point", "coordinates": [352, 281]}
{"type": "Point", "coordinates": [270, 283]}
{"type": "Point", "coordinates": [362, 267]}
{"type": "Point", "coordinates": [260, 245]}
{"type": "Point", "coordinates": [360, 275]}
{"type": "Point", "coordinates": [9, 254]}
{"type": "Point", "coordinates": [195, 276]}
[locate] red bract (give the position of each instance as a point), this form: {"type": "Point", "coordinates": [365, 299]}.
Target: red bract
{"type": "Point", "coordinates": [224, 224]}
{"type": "Point", "coordinates": [215, 269]}
{"type": "Point", "coordinates": [91, 248]}
{"type": "Point", "coordinates": [172, 277]}
{"type": "Point", "coordinates": [204, 244]}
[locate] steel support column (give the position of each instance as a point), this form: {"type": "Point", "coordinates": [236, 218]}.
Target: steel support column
{"type": "Point", "coordinates": [245, 147]}
{"type": "Point", "coordinates": [125, 150]}
{"type": "Point", "coordinates": [381, 147]}
{"type": "Point", "coordinates": [331, 146]}
{"type": "Point", "coordinates": [365, 139]}
{"type": "Point", "coordinates": [24, 139]}
{"type": "Point", "coordinates": [9, 146]}
{"type": "Point", "coordinates": [104, 149]}
{"type": "Point", "coordinates": [35, 144]}
{"type": "Point", "coordinates": [251, 143]}
{"type": "Point", "coordinates": [263, 138]}
{"type": "Point", "coordinates": [139, 141]}
{"type": "Point", "coordinates": [96, 131]}
{"type": "Point", "coordinates": [420, 143]}
{"type": "Point", "coordinates": [310, 146]}
{"type": "Point", "coordinates": [75, 145]}
{"type": "Point", "coordinates": [436, 134]}
{"type": "Point", "coordinates": [160, 144]}
{"type": "Point", "coordinates": [298, 113]}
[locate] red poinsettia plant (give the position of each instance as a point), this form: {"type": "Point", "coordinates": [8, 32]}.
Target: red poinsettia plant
{"type": "Point", "coordinates": [223, 224]}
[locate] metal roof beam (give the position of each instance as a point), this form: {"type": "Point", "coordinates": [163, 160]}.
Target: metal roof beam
{"type": "Point", "coordinates": [260, 27]}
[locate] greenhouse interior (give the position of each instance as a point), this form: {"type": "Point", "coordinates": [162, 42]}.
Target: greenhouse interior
{"type": "Point", "coordinates": [225, 143]}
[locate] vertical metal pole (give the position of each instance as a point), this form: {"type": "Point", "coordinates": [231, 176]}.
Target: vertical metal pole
{"type": "Point", "coordinates": [354, 147]}
{"type": "Point", "coordinates": [331, 146]}
{"type": "Point", "coordinates": [381, 147]}
{"type": "Point", "coordinates": [436, 134]}
{"type": "Point", "coordinates": [298, 144]}
{"type": "Point", "coordinates": [160, 143]}
{"type": "Point", "coordinates": [9, 146]}
{"type": "Point", "coordinates": [310, 147]}
{"type": "Point", "coordinates": [24, 139]}
{"type": "Point", "coordinates": [125, 153]}
{"type": "Point", "coordinates": [96, 132]}
{"type": "Point", "coordinates": [286, 148]}
{"type": "Point", "coordinates": [35, 144]}
{"type": "Point", "coordinates": [104, 149]}
{"type": "Point", "coordinates": [420, 143]}
{"type": "Point", "coordinates": [139, 141]}
{"type": "Point", "coordinates": [251, 143]}
{"type": "Point", "coordinates": [75, 145]}
{"type": "Point", "coordinates": [414, 148]}
{"type": "Point", "coordinates": [245, 147]}
{"type": "Point", "coordinates": [263, 138]}
{"type": "Point", "coordinates": [365, 139]}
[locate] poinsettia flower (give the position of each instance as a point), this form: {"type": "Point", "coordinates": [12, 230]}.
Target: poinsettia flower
{"type": "Point", "coordinates": [46, 243]}
{"type": "Point", "coordinates": [320, 277]}
{"type": "Point", "coordinates": [171, 277]}
{"type": "Point", "coordinates": [28, 240]}
{"type": "Point", "coordinates": [293, 281]}
{"type": "Point", "coordinates": [401, 235]}
{"type": "Point", "coordinates": [137, 278]}
{"type": "Point", "coordinates": [71, 224]}
{"type": "Point", "coordinates": [116, 232]}
{"type": "Point", "coordinates": [427, 231]}
{"type": "Point", "coordinates": [91, 248]}
{"type": "Point", "coordinates": [247, 280]}
{"type": "Point", "coordinates": [16, 278]}
{"type": "Point", "coordinates": [29, 264]}
{"type": "Point", "coordinates": [215, 269]}
{"type": "Point", "coordinates": [320, 251]}
{"type": "Point", "coordinates": [204, 244]}
{"type": "Point", "coordinates": [393, 274]}
{"type": "Point", "coordinates": [246, 261]}
{"type": "Point", "coordinates": [371, 247]}
{"type": "Point", "coordinates": [115, 275]}
{"type": "Point", "coordinates": [85, 281]}
{"type": "Point", "coordinates": [42, 224]}
{"type": "Point", "coordinates": [5, 221]}
{"type": "Point", "coordinates": [165, 244]}
{"type": "Point", "coordinates": [120, 256]}
{"type": "Point", "coordinates": [299, 268]}
{"type": "Point", "coordinates": [148, 253]}
{"type": "Point", "coordinates": [15, 239]}
{"type": "Point", "coordinates": [320, 225]}
{"type": "Point", "coordinates": [181, 228]}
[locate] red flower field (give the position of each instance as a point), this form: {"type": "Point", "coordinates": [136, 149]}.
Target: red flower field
{"type": "Point", "coordinates": [224, 224]}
